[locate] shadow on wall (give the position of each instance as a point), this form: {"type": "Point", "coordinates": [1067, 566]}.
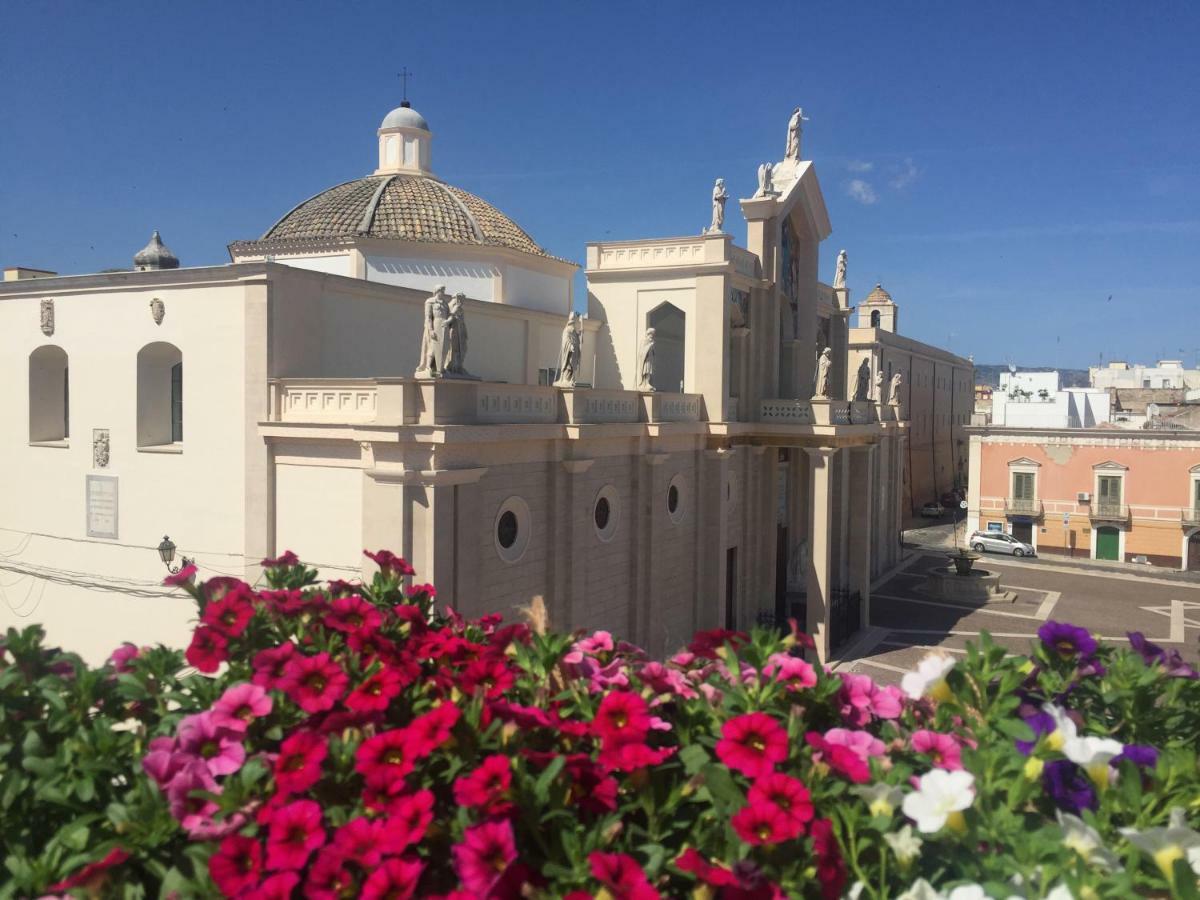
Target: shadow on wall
{"type": "Point", "coordinates": [669, 324]}
{"type": "Point", "coordinates": [607, 367]}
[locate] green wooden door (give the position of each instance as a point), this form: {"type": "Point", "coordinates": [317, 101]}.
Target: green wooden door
{"type": "Point", "coordinates": [1108, 543]}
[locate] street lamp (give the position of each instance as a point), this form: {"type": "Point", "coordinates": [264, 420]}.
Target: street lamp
{"type": "Point", "coordinates": [166, 552]}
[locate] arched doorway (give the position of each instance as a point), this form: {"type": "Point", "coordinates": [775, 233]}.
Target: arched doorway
{"type": "Point", "coordinates": [1191, 554]}
{"type": "Point", "coordinates": [1108, 542]}
{"type": "Point", "coordinates": [669, 324]}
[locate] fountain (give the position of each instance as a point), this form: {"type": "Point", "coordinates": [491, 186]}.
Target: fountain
{"type": "Point", "coordinates": [963, 583]}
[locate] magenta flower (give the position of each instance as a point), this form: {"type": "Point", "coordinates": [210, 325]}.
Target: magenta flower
{"type": "Point", "coordinates": [486, 851]}
{"type": "Point", "coordinates": [295, 831]}
{"type": "Point", "coordinates": [942, 749]}
{"type": "Point", "coordinates": [270, 663]}
{"type": "Point", "coordinates": [664, 680]}
{"type": "Point", "coordinates": [240, 705]}
{"type": "Point", "coordinates": [752, 744]}
{"type": "Point", "coordinates": [218, 748]}
{"type": "Point", "coordinates": [123, 656]}
{"type": "Point", "coordinates": [190, 808]}
{"type": "Point", "coordinates": [182, 578]}
{"type": "Point", "coordinates": [792, 671]}
{"type": "Point", "coordinates": [861, 698]}
{"type": "Point", "coordinates": [314, 683]}
{"type": "Point", "coordinates": [164, 761]}
{"type": "Point", "coordinates": [863, 744]}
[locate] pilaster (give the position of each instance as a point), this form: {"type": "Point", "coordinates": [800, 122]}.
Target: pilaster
{"type": "Point", "coordinates": [820, 565]}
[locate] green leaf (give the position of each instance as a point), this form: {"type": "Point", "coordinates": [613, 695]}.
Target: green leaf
{"type": "Point", "coordinates": [694, 758]}
{"type": "Point", "coordinates": [541, 787]}
{"type": "Point", "coordinates": [722, 788]}
{"type": "Point", "coordinates": [1016, 729]}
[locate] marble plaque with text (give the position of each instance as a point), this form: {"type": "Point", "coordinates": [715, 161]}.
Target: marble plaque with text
{"type": "Point", "coordinates": [102, 506]}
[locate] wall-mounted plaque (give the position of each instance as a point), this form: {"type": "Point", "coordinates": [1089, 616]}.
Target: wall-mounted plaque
{"type": "Point", "coordinates": [102, 506]}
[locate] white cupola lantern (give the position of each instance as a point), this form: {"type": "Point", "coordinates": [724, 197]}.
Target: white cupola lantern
{"type": "Point", "coordinates": [404, 142]}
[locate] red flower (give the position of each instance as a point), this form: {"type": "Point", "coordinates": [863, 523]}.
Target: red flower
{"type": "Point", "coordinates": [270, 663]}
{"type": "Point", "coordinates": [752, 744]}
{"type": "Point", "coordinates": [788, 794]}
{"type": "Point", "coordinates": [432, 729]}
{"type": "Point", "coordinates": [408, 820]}
{"type": "Point", "coordinates": [386, 759]}
{"type": "Point", "coordinates": [622, 718]}
{"type": "Point", "coordinates": [631, 757]}
{"type": "Point", "coordinates": [236, 865]}
{"type": "Point", "coordinates": [92, 872]}
{"type": "Point", "coordinates": [492, 674]}
{"type": "Point", "coordinates": [330, 878]}
{"type": "Point", "coordinates": [298, 766]}
{"type": "Point", "coordinates": [314, 683]}
{"type": "Point", "coordinates": [295, 831]}
{"type": "Point", "coordinates": [389, 562]}
{"type": "Point", "coordinates": [622, 875]}
{"type": "Point", "coordinates": [231, 614]}
{"type": "Point", "coordinates": [763, 823]}
{"type": "Point", "coordinates": [419, 590]}
{"type": "Point", "coordinates": [182, 578]}
{"type": "Point", "coordinates": [285, 559]}
{"type": "Point", "coordinates": [359, 840]}
{"type": "Point", "coordinates": [707, 643]}
{"type": "Point", "coordinates": [487, 788]}
{"type": "Point", "coordinates": [353, 614]}
{"type": "Point", "coordinates": [289, 603]}
{"type": "Point", "coordinates": [396, 879]}
{"type": "Point", "coordinates": [377, 691]}
{"type": "Point", "coordinates": [277, 887]}
{"type": "Point", "coordinates": [831, 868]}
{"type": "Point", "coordinates": [207, 650]}
{"type": "Point", "coordinates": [840, 758]}
{"type": "Point", "coordinates": [485, 853]}
{"type": "Point", "coordinates": [713, 875]}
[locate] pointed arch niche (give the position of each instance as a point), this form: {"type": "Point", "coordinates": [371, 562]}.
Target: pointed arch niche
{"type": "Point", "coordinates": [670, 340]}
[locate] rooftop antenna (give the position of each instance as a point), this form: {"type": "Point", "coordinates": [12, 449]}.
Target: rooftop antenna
{"type": "Point", "coordinates": [404, 75]}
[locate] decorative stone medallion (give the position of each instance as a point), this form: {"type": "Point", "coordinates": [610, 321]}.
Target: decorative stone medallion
{"type": "Point", "coordinates": [100, 448]}
{"type": "Point", "coordinates": [158, 309]}
{"type": "Point", "coordinates": [47, 316]}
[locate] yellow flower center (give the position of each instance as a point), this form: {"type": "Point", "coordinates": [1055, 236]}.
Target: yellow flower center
{"type": "Point", "coordinates": [956, 822]}
{"type": "Point", "coordinates": [1165, 859]}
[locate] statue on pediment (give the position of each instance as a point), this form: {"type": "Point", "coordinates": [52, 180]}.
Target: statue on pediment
{"type": "Point", "coordinates": [646, 362]}
{"type": "Point", "coordinates": [839, 275]}
{"type": "Point", "coordinates": [570, 351]}
{"type": "Point", "coordinates": [434, 334]}
{"type": "Point", "coordinates": [821, 390]}
{"type": "Point", "coordinates": [795, 131]}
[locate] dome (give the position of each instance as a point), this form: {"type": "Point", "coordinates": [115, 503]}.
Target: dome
{"type": "Point", "coordinates": [401, 208]}
{"type": "Point", "coordinates": [155, 255]}
{"type": "Point", "coordinates": [878, 295]}
{"type": "Point", "coordinates": [404, 116]}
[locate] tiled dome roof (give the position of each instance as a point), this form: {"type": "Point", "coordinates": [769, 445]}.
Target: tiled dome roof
{"type": "Point", "coordinates": [404, 208]}
{"type": "Point", "coordinates": [878, 295]}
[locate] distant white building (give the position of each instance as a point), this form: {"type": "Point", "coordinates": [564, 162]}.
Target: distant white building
{"type": "Point", "coordinates": [1035, 400]}
{"type": "Point", "coordinates": [1166, 373]}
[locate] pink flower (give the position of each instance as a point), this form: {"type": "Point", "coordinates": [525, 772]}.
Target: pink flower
{"type": "Point", "coordinates": [164, 760]}
{"type": "Point", "coordinates": [408, 820]}
{"type": "Point", "coordinates": [208, 649]}
{"type": "Point", "coordinates": [269, 664]}
{"type": "Point", "coordinates": [396, 879]}
{"type": "Point", "coordinates": [377, 691]}
{"type": "Point", "coordinates": [218, 748]}
{"type": "Point", "coordinates": [284, 560]}
{"type": "Point", "coordinates": [862, 743]}
{"type": "Point", "coordinates": [182, 578]}
{"type": "Point", "coordinates": [123, 656]}
{"type": "Point", "coordinates": [487, 788]}
{"type": "Point", "coordinates": [788, 794]}
{"type": "Point", "coordinates": [793, 671]}
{"type": "Point", "coordinates": [841, 759]}
{"type": "Point", "coordinates": [763, 823]}
{"type": "Point", "coordinates": [188, 808]}
{"type": "Point", "coordinates": [622, 875]}
{"type": "Point", "coordinates": [90, 875]}
{"type": "Point", "coordinates": [236, 865]}
{"type": "Point", "coordinates": [942, 749]}
{"type": "Point", "coordinates": [752, 744]}
{"type": "Point", "coordinates": [359, 840]}
{"type": "Point", "coordinates": [295, 831]}
{"type": "Point", "coordinates": [353, 614]}
{"type": "Point", "coordinates": [389, 563]}
{"type": "Point", "coordinates": [600, 642]}
{"type": "Point", "coordinates": [486, 851]}
{"type": "Point", "coordinates": [298, 765]}
{"type": "Point", "coordinates": [231, 613]}
{"type": "Point", "coordinates": [278, 887]}
{"type": "Point", "coordinates": [314, 683]}
{"type": "Point", "coordinates": [664, 680]}
{"type": "Point", "coordinates": [861, 698]}
{"type": "Point", "coordinates": [240, 705]}
{"type": "Point", "coordinates": [622, 717]}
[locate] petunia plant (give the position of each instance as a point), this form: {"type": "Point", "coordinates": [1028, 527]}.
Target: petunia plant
{"type": "Point", "coordinates": [335, 739]}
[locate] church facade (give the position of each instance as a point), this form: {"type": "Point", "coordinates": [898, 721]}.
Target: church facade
{"type": "Point", "coordinates": [392, 364]}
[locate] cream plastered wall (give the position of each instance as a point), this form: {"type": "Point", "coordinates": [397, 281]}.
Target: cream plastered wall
{"type": "Point", "coordinates": [318, 513]}
{"type": "Point", "coordinates": [196, 491]}
{"type": "Point", "coordinates": [624, 305]}
{"type": "Point", "coordinates": [475, 278]}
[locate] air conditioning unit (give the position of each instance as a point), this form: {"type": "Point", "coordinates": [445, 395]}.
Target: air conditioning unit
{"type": "Point", "coordinates": [1083, 497]}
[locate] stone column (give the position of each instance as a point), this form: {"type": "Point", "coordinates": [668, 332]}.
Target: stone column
{"type": "Point", "coordinates": [901, 493]}
{"type": "Point", "coordinates": [820, 563]}
{"type": "Point", "coordinates": [862, 518]}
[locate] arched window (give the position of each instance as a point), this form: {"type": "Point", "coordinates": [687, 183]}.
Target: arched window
{"type": "Point", "coordinates": [669, 324]}
{"type": "Point", "coordinates": [874, 318]}
{"type": "Point", "coordinates": [159, 395]}
{"type": "Point", "coordinates": [49, 395]}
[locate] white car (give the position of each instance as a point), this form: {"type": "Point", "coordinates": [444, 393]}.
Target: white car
{"type": "Point", "coordinates": [999, 542]}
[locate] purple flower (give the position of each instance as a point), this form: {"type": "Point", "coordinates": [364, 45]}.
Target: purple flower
{"type": "Point", "coordinates": [219, 749]}
{"type": "Point", "coordinates": [1141, 755]}
{"type": "Point", "coordinates": [1068, 786]}
{"type": "Point", "coordinates": [1067, 640]}
{"type": "Point", "coordinates": [1151, 653]}
{"type": "Point", "coordinates": [1042, 723]}
{"type": "Point", "coordinates": [164, 761]}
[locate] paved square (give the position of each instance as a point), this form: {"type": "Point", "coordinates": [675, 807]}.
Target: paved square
{"type": "Point", "coordinates": [906, 623]}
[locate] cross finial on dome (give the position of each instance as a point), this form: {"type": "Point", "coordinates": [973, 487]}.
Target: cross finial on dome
{"type": "Point", "coordinates": [404, 75]}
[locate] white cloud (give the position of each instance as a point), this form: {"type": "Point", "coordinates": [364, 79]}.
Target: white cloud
{"type": "Point", "coordinates": [904, 174]}
{"type": "Point", "coordinates": [861, 191]}
{"type": "Point", "coordinates": [859, 165]}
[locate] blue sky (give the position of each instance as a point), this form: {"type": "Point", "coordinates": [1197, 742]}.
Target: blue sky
{"type": "Point", "coordinates": [1002, 169]}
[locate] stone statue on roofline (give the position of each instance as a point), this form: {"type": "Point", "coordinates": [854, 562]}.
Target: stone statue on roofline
{"type": "Point", "coordinates": [824, 367]}
{"type": "Point", "coordinates": [456, 330]}
{"type": "Point", "coordinates": [862, 381]}
{"type": "Point", "coordinates": [719, 196]}
{"type": "Point", "coordinates": [795, 131]}
{"type": "Point", "coordinates": [765, 187]}
{"type": "Point", "coordinates": [878, 392]}
{"type": "Point", "coordinates": [570, 351]}
{"type": "Point", "coordinates": [894, 394]}
{"type": "Point", "coordinates": [434, 335]}
{"type": "Point", "coordinates": [839, 275]}
{"type": "Point", "coordinates": [646, 362]}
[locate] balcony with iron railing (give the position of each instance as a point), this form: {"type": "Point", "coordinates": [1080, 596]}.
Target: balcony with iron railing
{"type": "Point", "coordinates": [1020, 506]}
{"type": "Point", "coordinates": [1190, 516]}
{"type": "Point", "coordinates": [1108, 511]}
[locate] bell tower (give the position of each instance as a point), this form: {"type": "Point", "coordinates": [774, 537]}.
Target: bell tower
{"type": "Point", "coordinates": [404, 143]}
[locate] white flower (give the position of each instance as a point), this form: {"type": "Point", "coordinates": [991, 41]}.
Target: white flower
{"type": "Point", "coordinates": [1165, 845]}
{"type": "Point", "coordinates": [940, 795]}
{"type": "Point", "coordinates": [1094, 754]}
{"type": "Point", "coordinates": [1064, 726]}
{"type": "Point", "coordinates": [968, 892]}
{"type": "Point", "coordinates": [1060, 892]}
{"type": "Point", "coordinates": [882, 799]}
{"type": "Point", "coordinates": [922, 890]}
{"type": "Point", "coordinates": [905, 844]}
{"type": "Point", "coordinates": [929, 678]}
{"type": "Point", "coordinates": [1086, 841]}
